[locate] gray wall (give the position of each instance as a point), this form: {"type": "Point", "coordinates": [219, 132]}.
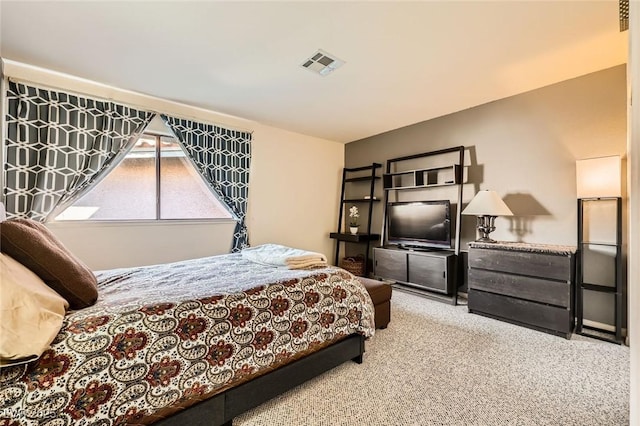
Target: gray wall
{"type": "Point", "coordinates": [525, 148]}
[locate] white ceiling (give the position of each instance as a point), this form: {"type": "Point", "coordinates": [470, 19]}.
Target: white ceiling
{"type": "Point", "coordinates": [405, 62]}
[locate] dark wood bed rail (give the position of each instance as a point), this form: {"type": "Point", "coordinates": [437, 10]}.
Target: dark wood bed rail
{"type": "Point", "coordinates": [222, 408]}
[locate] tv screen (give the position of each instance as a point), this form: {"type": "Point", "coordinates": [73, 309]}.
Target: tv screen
{"type": "Point", "coordinates": [419, 224]}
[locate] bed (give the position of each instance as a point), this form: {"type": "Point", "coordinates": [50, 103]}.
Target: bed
{"type": "Point", "coordinates": [191, 342]}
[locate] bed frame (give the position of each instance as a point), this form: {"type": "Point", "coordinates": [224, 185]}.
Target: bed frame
{"type": "Point", "coordinates": [222, 408]}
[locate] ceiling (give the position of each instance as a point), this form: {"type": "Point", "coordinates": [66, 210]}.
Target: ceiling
{"type": "Point", "coordinates": [405, 62]}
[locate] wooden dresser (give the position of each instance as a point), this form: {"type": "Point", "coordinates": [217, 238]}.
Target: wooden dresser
{"type": "Point", "coordinates": [531, 285]}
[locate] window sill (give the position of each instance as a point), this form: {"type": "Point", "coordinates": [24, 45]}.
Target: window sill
{"type": "Point", "coordinates": [141, 222]}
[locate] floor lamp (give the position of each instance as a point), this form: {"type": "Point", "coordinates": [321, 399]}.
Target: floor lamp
{"type": "Point", "coordinates": [599, 269]}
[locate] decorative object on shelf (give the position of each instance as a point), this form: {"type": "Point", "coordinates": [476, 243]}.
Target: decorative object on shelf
{"type": "Point", "coordinates": [600, 266]}
{"type": "Point", "coordinates": [354, 264]}
{"type": "Point", "coordinates": [486, 205]}
{"type": "Point", "coordinates": [353, 219]}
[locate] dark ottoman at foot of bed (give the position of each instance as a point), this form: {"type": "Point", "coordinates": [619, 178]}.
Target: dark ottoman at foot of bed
{"type": "Point", "coordinates": [380, 293]}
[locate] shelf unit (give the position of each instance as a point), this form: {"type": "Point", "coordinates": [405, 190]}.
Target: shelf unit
{"type": "Point", "coordinates": [424, 179]}
{"type": "Point", "coordinates": [610, 251]}
{"type": "Point", "coordinates": [357, 175]}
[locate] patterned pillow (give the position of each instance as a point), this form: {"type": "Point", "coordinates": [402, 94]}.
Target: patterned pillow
{"type": "Point", "coordinates": [32, 244]}
{"type": "Point", "coordinates": [31, 313]}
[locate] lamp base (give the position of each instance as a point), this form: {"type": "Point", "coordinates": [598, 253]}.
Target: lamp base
{"type": "Point", "coordinates": [486, 240]}
{"type": "Point", "coordinates": [486, 225]}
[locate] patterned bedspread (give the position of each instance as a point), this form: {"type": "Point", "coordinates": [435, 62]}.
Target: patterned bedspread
{"type": "Point", "coordinates": [171, 335]}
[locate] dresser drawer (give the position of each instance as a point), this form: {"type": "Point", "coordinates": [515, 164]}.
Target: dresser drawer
{"type": "Point", "coordinates": [541, 265]}
{"type": "Point", "coordinates": [550, 318]}
{"type": "Point", "coordinates": [556, 293]}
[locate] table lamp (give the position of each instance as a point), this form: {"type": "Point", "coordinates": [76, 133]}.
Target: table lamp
{"type": "Point", "coordinates": [486, 206]}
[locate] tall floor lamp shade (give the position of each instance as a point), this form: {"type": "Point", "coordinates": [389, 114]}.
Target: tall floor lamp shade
{"type": "Point", "coordinates": [486, 206]}
{"type": "Point", "coordinates": [599, 177]}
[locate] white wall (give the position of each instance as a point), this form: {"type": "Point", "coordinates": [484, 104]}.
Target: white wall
{"type": "Point", "coordinates": [293, 195]}
{"type": "Point", "coordinates": [525, 148]}
{"type": "Point", "coordinates": [115, 245]}
{"type": "Point", "coordinates": [295, 190]}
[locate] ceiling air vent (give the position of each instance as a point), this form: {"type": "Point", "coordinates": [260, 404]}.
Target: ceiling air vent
{"type": "Point", "coordinates": [322, 63]}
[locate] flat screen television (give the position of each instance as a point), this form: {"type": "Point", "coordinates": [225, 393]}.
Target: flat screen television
{"type": "Point", "coordinates": [419, 224]}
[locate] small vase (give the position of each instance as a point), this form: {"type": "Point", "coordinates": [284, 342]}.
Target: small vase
{"type": "Point", "coordinates": [353, 229]}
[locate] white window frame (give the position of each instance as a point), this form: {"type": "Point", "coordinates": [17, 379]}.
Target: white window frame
{"type": "Point", "coordinates": [220, 220]}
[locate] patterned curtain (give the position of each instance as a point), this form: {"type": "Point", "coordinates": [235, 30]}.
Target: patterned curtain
{"type": "Point", "coordinates": [222, 157]}
{"type": "Point", "coordinates": [59, 145]}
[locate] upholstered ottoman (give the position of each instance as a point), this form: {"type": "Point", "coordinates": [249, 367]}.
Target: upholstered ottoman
{"type": "Point", "coordinates": [380, 293]}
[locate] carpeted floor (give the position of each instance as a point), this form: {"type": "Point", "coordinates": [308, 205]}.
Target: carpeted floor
{"type": "Point", "coordinates": [437, 364]}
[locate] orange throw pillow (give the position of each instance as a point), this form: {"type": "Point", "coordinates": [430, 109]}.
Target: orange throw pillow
{"type": "Point", "coordinates": [32, 244]}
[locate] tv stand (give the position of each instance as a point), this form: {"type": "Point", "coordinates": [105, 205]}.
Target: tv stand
{"type": "Point", "coordinates": [430, 273]}
{"type": "Point", "coordinates": [433, 271]}
{"type": "Point", "coordinates": [416, 248]}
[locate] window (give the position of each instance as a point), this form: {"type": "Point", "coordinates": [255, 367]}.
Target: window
{"type": "Point", "coordinates": [156, 180]}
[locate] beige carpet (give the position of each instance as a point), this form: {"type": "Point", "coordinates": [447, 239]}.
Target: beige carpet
{"type": "Point", "coordinates": [437, 364]}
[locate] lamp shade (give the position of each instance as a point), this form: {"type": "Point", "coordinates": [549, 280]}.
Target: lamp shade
{"type": "Point", "coordinates": [487, 203]}
{"type": "Point", "coordinates": [599, 177]}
